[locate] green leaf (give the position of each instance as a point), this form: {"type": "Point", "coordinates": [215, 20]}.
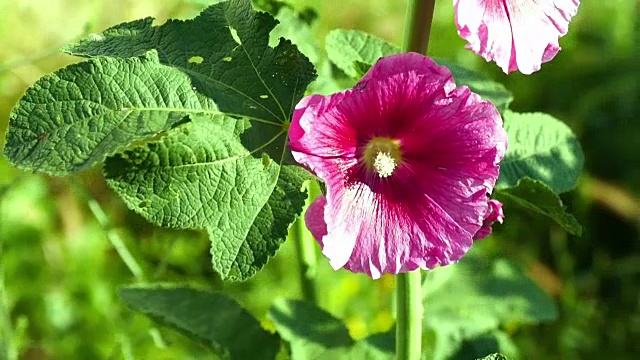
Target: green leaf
{"type": "Point", "coordinates": [269, 229]}
{"type": "Point", "coordinates": [480, 84]}
{"type": "Point", "coordinates": [494, 356]}
{"type": "Point", "coordinates": [316, 334]}
{"type": "Point", "coordinates": [457, 346]}
{"type": "Point", "coordinates": [535, 195]}
{"type": "Point", "coordinates": [476, 296]}
{"type": "Point", "coordinates": [542, 148]}
{"type": "Point", "coordinates": [499, 290]}
{"type": "Point", "coordinates": [299, 28]}
{"type": "Point", "coordinates": [71, 119]}
{"type": "Point", "coordinates": [199, 176]}
{"type": "Point", "coordinates": [354, 52]}
{"type": "Point", "coordinates": [226, 52]}
{"type": "Point", "coordinates": [299, 321]}
{"type": "Point", "coordinates": [216, 70]}
{"type": "Point", "coordinates": [211, 318]}
{"type": "Point", "coordinates": [374, 347]}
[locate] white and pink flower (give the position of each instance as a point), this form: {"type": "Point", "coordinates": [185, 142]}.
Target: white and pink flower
{"type": "Point", "coordinates": [519, 35]}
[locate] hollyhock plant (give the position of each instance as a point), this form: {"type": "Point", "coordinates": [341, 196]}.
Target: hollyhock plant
{"type": "Point", "coordinates": [408, 159]}
{"type": "Point", "coordinates": [516, 34]}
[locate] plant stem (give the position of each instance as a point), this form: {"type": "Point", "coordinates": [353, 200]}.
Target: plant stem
{"type": "Point", "coordinates": [116, 241]}
{"type": "Point", "coordinates": [418, 25]}
{"type": "Point", "coordinates": [306, 248]}
{"type": "Point", "coordinates": [409, 309]}
{"type": "Point", "coordinates": [112, 235]}
{"type": "Point", "coordinates": [408, 316]}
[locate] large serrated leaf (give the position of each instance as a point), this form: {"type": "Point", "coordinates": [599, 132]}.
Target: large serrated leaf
{"type": "Point", "coordinates": [226, 52]}
{"type": "Point", "coordinates": [199, 176]}
{"type": "Point", "coordinates": [269, 229]}
{"type": "Point", "coordinates": [354, 52]}
{"type": "Point", "coordinates": [542, 148]}
{"type": "Point", "coordinates": [535, 195]}
{"type": "Point", "coordinates": [70, 120]}
{"type": "Point", "coordinates": [211, 318]}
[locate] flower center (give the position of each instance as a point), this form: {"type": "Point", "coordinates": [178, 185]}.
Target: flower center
{"type": "Point", "coordinates": [382, 155]}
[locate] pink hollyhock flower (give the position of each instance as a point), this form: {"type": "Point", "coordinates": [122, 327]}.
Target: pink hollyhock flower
{"type": "Point", "coordinates": [408, 160]}
{"type": "Point", "coordinates": [516, 34]}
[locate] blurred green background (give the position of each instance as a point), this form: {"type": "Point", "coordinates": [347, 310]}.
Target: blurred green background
{"type": "Point", "coordinates": [62, 259]}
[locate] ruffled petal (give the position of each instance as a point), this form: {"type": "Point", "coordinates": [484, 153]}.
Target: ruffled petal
{"type": "Point", "coordinates": [493, 214]}
{"type": "Point", "coordinates": [415, 63]}
{"type": "Point", "coordinates": [374, 233]}
{"type": "Point", "coordinates": [314, 218]}
{"type": "Point", "coordinates": [516, 34]}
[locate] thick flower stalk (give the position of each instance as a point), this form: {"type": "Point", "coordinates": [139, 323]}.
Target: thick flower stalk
{"type": "Point", "coordinates": [519, 35]}
{"type": "Point", "coordinates": [408, 160]}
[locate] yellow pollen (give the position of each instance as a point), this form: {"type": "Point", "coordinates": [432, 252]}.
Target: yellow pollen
{"type": "Point", "coordinates": [384, 164]}
{"type": "Point", "coordinates": [382, 155]}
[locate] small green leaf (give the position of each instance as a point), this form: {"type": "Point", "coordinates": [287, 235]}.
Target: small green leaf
{"type": "Point", "coordinates": [354, 52]}
{"type": "Point", "coordinates": [199, 176]}
{"type": "Point", "coordinates": [480, 84]}
{"type": "Point", "coordinates": [475, 284]}
{"type": "Point", "coordinates": [542, 148]}
{"type": "Point", "coordinates": [316, 334]}
{"type": "Point", "coordinates": [70, 120]}
{"type": "Point", "coordinates": [457, 346]}
{"type": "Point", "coordinates": [535, 195]}
{"type": "Point", "coordinates": [374, 347]}
{"type": "Point", "coordinates": [300, 321]}
{"type": "Point", "coordinates": [211, 318]}
{"type": "Point", "coordinates": [494, 356]}
{"type": "Point", "coordinates": [476, 295]}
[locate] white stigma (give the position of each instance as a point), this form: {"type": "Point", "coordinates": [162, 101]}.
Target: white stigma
{"type": "Point", "coordinates": [384, 164]}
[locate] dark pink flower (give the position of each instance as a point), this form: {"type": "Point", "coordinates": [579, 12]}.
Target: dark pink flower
{"type": "Point", "coordinates": [516, 34]}
{"type": "Point", "coordinates": [408, 160]}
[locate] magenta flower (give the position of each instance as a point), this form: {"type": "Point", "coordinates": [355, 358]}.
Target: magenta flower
{"type": "Point", "coordinates": [516, 34]}
{"type": "Point", "coordinates": [408, 160]}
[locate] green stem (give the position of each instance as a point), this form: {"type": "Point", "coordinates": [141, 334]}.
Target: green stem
{"type": "Point", "coordinates": [116, 241]}
{"type": "Point", "coordinates": [112, 235]}
{"type": "Point", "coordinates": [306, 248]}
{"type": "Point", "coordinates": [409, 309]}
{"type": "Point", "coordinates": [408, 316]}
{"type": "Point", "coordinates": [418, 25]}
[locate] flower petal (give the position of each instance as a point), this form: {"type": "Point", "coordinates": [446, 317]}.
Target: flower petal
{"type": "Point", "coordinates": [516, 34]}
{"type": "Point", "coordinates": [419, 64]}
{"type": "Point", "coordinates": [314, 218]}
{"type": "Point", "coordinates": [493, 214]}
{"type": "Point", "coordinates": [369, 232]}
